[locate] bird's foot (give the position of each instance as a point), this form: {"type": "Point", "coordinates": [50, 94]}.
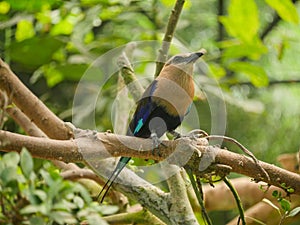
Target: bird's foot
{"type": "Point", "coordinates": [195, 134]}
{"type": "Point", "coordinates": [155, 143]}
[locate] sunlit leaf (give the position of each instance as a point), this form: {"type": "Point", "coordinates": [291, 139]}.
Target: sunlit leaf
{"type": "Point", "coordinates": [285, 9]}
{"type": "Point", "coordinates": [217, 71]}
{"type": "Point", "coordinates": [253, 50]}
{"type": "Point", "coordinates": [4, 7]}
{"type": "Point", "coordinates": [110, 12]}
{"type": "Point", "coordinates": [52, 75]}
{"type": "Point", "coordinates": [32, 5]}
{"type": "Point", "coordinates": [256, 74]}
{"type": "Point", "coordinates": [24, 30]}
{"type": "Point", "coordinates": [64, 27]}
{"type": "Point", "coordinates": [242, 21]}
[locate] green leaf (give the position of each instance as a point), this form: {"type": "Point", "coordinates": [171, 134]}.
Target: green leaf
{"type": "Point", "coordinates": [72, 72]}
{"type": "Point", "coordinates": [8, 174]}
{"type": "Point", "coordinates": [11, 159]}
{"type": "Point", "coordinates": [34, 52]}
{"type": "Point", "coordinates": [24, 30]}
{"type": "Point", "coordinates": [26, 163]}
{"type": "Point", "coordinates": [242, 21]}
{"type": "Point", "coordinates": [276, 194]}
{"type": "Point", "coordinates": [294, 212]}
{"type": "Point", "coordinates": [285, 205]}
{"type": "Point", "coordinates": [32, 5]}
{"type": "Point", "coordinates": [79, 202]}
{"type": "Point", "coordinates": [95, 219]}
{"type": "Point", "coordinates": [253, 50]}
{"type": "Point", "coordinates": [40, 194]}
{"type": "Point", "coordinates": [63, 217]}
{"type": "Point", "coordinates": [256, 74]}
{"type": "Point", "coordinates": [35, 220]}
{"type": "Point", "coordinates": [64, 27]}
{"type": "Point", "coordinates": [109, 209]}
{"type": "Point", "coordinates": [29, 209]}
{"type": "Point", "coordinates": [217, 71]}
{"type": "Point", "coordinates": [285, 9]}
{"type": "Point", "coordinates": [4, 7]}
{"type": "Point", "coordinates": [110, 12]}
{"type": "Point", "coordinates": [52, 75]}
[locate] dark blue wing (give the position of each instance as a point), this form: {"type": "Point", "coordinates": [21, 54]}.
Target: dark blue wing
{"type": "Point", "coordinates": [144, 108]}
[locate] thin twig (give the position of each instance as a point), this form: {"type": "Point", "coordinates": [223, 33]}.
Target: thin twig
{"type": "Point", "coordinates": [220, 25]}
{"type": "Point", "coordinates": [237, 199]}
{"type": "Point", "coordinates": [127, 73]}
{"type": "Point", "coordinates": [163, 51]}
{"type": "Point", "coordinates": [271, 82]}
{"type": "Point", "coordinates": [244, 149]}
{"type": "Point", "coordinates": [198, 195]}
{"type": "Point", "coordinates": [79, 173]}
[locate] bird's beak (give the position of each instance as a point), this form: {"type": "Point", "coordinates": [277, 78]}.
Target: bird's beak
{"type": "Point", "coordinates": [196, 55]}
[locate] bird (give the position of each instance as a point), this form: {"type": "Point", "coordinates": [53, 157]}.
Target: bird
{"type": "Point", "coordinates": [162, 107]}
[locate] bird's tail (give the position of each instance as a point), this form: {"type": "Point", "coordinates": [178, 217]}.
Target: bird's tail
{"type": "Point", "coordinates": [121, 164]}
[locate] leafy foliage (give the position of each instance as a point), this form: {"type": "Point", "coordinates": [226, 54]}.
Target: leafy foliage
{"type": "Point", "coordinates": [42, 196]}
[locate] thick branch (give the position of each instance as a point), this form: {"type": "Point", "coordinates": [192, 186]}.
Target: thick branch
{"type": "Point", "coordinates": [96, 146]}
{"type": "Point", "coordinates": [181, 209]}
{"type": "Point", "coordinates": [28, 103]}
{"type": "Point", "coordinates": [43, 148]}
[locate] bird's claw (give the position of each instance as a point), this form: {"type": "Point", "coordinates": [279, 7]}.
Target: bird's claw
{"type": "Point", "coordinates": [155, 143]}
{"type": "Point", "coordinates": [195, 134]}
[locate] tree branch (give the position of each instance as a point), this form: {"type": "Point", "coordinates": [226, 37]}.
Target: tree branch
{"type": "Point", "coordinates": [181, 209]}
{"type": "Point", "coordinates": [129, 77]}
{"type": "Point", "coordinates": [163, 51]}
{"type": "Point", "coordinates": [271, 82]}
{"type": "Point", "coordinates": [32, 107]}
{"type": "Point", "coordinates": [91, 146]}
{"type": "Point", "coordinates": [80, 173]}
{"type": "Point", "coordinates": [220, 25]}
{"type": "Point", "coordinates": [23, 121]}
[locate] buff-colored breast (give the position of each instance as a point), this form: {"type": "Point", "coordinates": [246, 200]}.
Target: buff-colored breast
{"type": "Point", "coordinates": [175, 89]}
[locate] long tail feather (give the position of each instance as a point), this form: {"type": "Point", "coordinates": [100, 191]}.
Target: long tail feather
{"type": "Point", "coordinates": [121, 164]}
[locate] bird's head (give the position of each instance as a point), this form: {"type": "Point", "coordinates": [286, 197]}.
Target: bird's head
{"type": "Point", "coordinates": [183, 63]}
{"type": "Point", "coordinates": [186, 58]}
